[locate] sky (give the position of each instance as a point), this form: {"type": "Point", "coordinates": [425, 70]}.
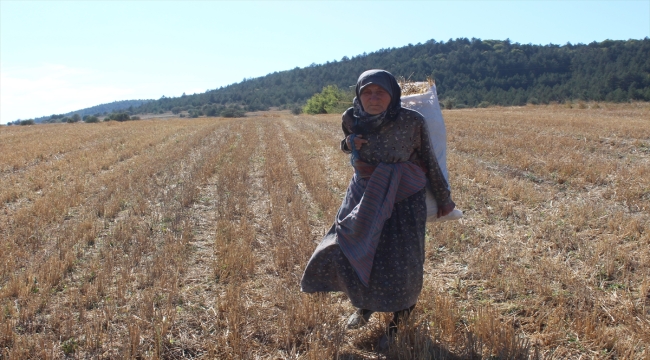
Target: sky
{"type": "Point", "coordinates": [61, 56]}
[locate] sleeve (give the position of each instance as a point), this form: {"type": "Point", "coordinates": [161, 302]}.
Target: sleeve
{"type": "Point", "coordinates": [346, 132]}
{"type": "Point", "coordinates": [437, 181]}
{"type": "Point", "coordinates": [344, 147]}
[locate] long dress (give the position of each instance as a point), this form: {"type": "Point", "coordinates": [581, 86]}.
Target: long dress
{"type": "Point", "coordinates": [397, 269]}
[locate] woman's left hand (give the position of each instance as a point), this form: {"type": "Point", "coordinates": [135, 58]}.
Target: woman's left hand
{"type": "Point", "coordinates": [446, 209]}
{"type": "Point", "coordinates": [358, 141]}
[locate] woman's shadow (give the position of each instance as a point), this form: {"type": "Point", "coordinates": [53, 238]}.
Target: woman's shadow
{"type": "Point", "coordinates": [412, 342]}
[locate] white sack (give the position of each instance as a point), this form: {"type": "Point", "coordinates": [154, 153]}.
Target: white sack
{"type": "Point", "coordinates": [427, 105]}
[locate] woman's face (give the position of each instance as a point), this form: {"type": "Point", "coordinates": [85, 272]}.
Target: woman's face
{"type": "Point", "coordinates": [374, 99]}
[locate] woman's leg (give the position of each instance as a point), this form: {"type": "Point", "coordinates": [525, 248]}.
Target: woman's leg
{"type": "Point", "coordinates": [359, 318]}
{"type": "Point", "coordinates": [398, 316]}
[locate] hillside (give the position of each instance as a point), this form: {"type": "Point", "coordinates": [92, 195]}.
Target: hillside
{"type": "Point", "coordinates": [99, 109]}
{"type": "Point", "coordinates": [468, 73]}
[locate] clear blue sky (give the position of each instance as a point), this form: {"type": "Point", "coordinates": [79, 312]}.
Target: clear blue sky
{"type": "Point", "coordinates": [58, 56]}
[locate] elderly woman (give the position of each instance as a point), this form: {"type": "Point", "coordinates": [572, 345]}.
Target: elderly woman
{"type": "Point", "coordinates": [374, 251]}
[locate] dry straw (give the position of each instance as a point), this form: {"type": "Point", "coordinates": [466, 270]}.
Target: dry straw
{"type": "Point", "coordinates": [187, 239]}
{"type": "Point", "coordinates": [414, 87]}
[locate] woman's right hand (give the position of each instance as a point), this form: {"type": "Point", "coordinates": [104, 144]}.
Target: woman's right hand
{"type": "Point", "coordinates": [446, 209]}
{"type": "Point", "coordinates": [358, 141]}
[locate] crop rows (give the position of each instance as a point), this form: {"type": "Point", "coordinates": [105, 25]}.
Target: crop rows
{"type": "Point", "coordinates": [187, 239]}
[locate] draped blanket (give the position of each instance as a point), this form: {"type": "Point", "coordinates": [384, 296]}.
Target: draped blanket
{"type": "Point", "coordinates": [360, 219]}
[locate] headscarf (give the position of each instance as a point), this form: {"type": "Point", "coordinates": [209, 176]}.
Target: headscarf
{"type": "Point", "coordinates": [364, 122]}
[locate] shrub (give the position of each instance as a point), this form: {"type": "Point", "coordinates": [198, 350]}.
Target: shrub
{"type": "Point", "coordinates": [296, 110]}
{"type": "Point", "coordinates": [122, 116]}
{"type": "Point", "coordinates": [484, 104]}
{"type": "Point", "coordinates": [91, 119]}
{"type": "Point", "coordinates": [232, 112]}
{"type": "Point", "coordinates": [194, 113]}
{"type": "Point", "coordinates": [329, 101]}
{"type": "Point", "coordinates": [211, 110]}
{"type": "Point", "coordinates": [256, 105]}
{"type": "Point", "coordinates": [119, 117]}
{"type": "Point", "coordinates": [27, 122]}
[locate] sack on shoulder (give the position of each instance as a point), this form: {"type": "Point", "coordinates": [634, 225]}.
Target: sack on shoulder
{"type": "Point", "coordinates": [427, 104]}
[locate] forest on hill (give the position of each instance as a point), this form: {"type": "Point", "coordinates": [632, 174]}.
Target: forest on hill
{"type": "Point", "coordinates": [467, 72]}
{"type": "Point", "coordinates": [96, 111]}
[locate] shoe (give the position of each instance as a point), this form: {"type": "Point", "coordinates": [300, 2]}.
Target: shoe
{"type": "Point", "coordinates": [358, 319]}
{"type": "Point", "coordinates": [384, 342]}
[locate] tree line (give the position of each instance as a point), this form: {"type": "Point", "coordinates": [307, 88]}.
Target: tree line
{"type": "Point", "coordinates": [87, 114]}
{"type": "Point", "coordinates": [467, 72]}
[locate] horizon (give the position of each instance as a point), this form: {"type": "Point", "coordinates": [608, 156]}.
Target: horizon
{"type": "Point", "coordinates": [50, 64]}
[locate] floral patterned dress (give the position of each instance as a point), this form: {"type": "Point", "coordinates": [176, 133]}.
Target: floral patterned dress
{"type": "Point", "coordinates": [397, 270]}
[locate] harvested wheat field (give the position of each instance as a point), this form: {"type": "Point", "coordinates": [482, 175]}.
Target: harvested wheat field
{"type": "Point", "coordinates": [186, 239]}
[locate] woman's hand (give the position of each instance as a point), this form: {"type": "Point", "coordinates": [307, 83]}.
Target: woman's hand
{"type": "Point", "coordinates": [446, 209]}
{"type": "Point", "coordinates": [358, 141]}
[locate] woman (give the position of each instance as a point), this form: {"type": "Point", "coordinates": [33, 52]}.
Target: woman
{"type": "Point", "coordinates": [374, 252]}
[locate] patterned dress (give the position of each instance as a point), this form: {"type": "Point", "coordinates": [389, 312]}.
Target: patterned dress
{"type": "Point", "coordinates": [397, 270]}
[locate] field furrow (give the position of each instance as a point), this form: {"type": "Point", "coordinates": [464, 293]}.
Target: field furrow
{"type": "Point", "coordinates": [176, 239]}
{"type": "Point", "coordinates": [90, 268]}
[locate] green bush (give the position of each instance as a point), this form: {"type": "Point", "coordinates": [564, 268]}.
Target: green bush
{"type": "Point", "coordinates": [212, 109]}
{"type": "Point", "coordinates": [329, 101]}
{"type": "Point", "coordinates": [91, 119]}
{"type": "Point", "coordinates": [232, 112]}
{"type": "Point", "coordinates": [194, 113]}
{"type": "Point", "coordinates": [119, 117]}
